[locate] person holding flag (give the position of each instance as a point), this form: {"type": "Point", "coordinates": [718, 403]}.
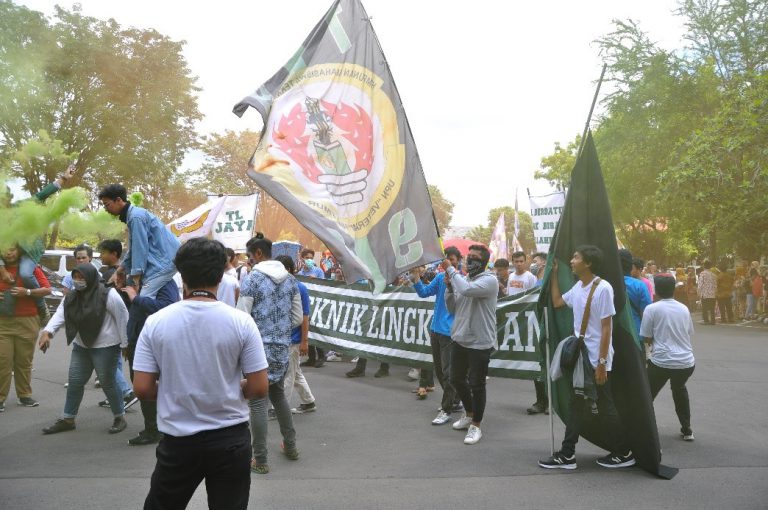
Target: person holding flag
{"type": "Point", "coordinates": [592, 302]}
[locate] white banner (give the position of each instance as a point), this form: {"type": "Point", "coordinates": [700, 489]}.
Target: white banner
{"type": "Point", "coordinates": [198, 222]}
{"type": "Point", "coordinates": [545, 213]}
{"type": "Point", "coordinates": [234, 224]}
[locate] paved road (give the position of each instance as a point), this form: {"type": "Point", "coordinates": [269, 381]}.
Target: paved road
{"type": "Point", "coordinates": [371, 445]}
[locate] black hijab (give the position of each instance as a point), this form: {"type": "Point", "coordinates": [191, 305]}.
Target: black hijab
{"type": "Point", "coordinates": [84, 310]}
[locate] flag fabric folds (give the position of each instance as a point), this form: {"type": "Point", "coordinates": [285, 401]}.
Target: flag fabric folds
{"type": "Point", "coordinates": [498, 244]}
{"type": "Point", "coordinates": [586, 219]}
{"type": "Point", "coordinates": [198, 222]}
{"type": "Point", "coordinates": [337, 151]}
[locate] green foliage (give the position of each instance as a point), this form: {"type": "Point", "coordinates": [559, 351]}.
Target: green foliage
{"type": "Point", "coordinates": [226, 161]}
{"type": "Point", "coordinates": [120, 101]}
{"type": "Point", "coordinates": [682, 139]}
{"type": "Point", "coordinates": [442, 207]}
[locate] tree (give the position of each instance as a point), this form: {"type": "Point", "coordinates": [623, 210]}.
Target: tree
{"type": "Point", "coordinates": [226, 159]}
{"type": "Point", "coordinates": [527, 241]}
{"type": "Point", "coordinates": [122, 100]}
{"type": "Point", "coordinates": [442, 208]}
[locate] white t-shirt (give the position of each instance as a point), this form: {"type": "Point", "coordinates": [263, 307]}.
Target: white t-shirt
{"type": "Point", "coordinates": [228, 289]}
{"type": "Point", "coordinates": [601, 307]}
{"type": "Point", "coordinates": [201, 349]}
{"type": "Point", "coordinates": [670, 325]}
{"type": "Point", "coordinates": [179, 284]}
{"type": "Point", "coordinates": [518, 283]}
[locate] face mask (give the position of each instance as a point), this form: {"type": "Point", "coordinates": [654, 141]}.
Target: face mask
{"type": "Point", "coordinates": [309, 263]}
{"type": "Point", "coordinates": [79, 285]}
{"type": "Point", "coordinates": [534, 269]}
{"type": "Point", "coordinates": [474, 267]}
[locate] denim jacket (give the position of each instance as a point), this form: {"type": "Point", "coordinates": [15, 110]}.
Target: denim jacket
{"type": "Point", "coordinates": [152, 247]}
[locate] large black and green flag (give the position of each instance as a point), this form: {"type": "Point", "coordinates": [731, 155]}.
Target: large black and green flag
{"type": "Point", "coordinates": [586, 219]}
{"type": "Point", "coordinates": [337, 151]}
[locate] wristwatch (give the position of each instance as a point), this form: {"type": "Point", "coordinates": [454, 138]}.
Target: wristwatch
{"type": "Point", "coordinates": [602, 361]}
{"type": "Point", "coordinates": [29, 292]}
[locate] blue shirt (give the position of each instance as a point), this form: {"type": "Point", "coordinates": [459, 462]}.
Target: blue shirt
{"type": "Point", "coordinates": [442, 320]}
{"type": "Point", "coordinates": [638, 295]}
{"type": "Point", "coordinates": [304, 293]}
{"type": "Point", "coordinates": [315, 272]}
{"type": "Point", "coordinates": [152, 246]}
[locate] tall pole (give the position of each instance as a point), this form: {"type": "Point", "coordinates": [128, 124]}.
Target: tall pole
{"type": "Point", "coordinates": [592, 109]}
{"type": "Point", "coordinates": [549, 383]}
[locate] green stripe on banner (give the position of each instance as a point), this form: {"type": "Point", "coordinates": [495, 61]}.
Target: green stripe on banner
{"type": "Point", "coordinates": [393, 327]}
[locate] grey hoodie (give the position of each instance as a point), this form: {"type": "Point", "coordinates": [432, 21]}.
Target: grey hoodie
{"type": "Point", "coordinates": [473, 303]}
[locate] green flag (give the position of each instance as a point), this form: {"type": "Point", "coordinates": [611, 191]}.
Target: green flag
{"type": "Point", "coordinates": [586, 219]}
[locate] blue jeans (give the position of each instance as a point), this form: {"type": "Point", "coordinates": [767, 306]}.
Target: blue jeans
{"type": "Point", "coordinates": [122, 385]}
{"type": "Point", "coordinates": [27, 276]}
{"type": "Point", "coordinates": [152, 285]}
{"type": "Point", "coordinates": [81, 366]}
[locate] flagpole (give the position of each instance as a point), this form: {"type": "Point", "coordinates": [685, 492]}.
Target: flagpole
{"type": "Point", "coordinates": [591, 110]}
{"type": "Point", "coordinates": [549, 384]}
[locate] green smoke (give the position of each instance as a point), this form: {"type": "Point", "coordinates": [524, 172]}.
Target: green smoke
{"type": "Point", "coordinates": [100, 224]}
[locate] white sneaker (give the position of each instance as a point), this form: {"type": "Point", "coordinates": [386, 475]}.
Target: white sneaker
{"type": "Point", "coordinates": [473, 435]}
{"type": "Point", "coordinates": [442, 418]}
{"type": "Point", "coordinates": [332, 356]}
{"type": "Point", "coordinates": [413, 374]}
{"type": "Point", "coordinates": [463, 423]}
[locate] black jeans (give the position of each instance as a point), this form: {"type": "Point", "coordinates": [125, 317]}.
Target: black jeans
{"type": "Point", "coordinates": [362, 363]}
{"type": "Point", "coordinates": [726, 309]}
{"type": "Point", "coordinates": [222, 457]}
{"type": "Point", "coordinates": [441, 358]}
{"type": "Point", "coordinates": [469, 367]}
{"type": "Point", "coordinates": [148, 407]}
{"type": "Point", "coordinates": [610, 425]}
{"type": "Point", "coordinates": [677, 377]}
{"type": "Point", "coordinates": [708, 310]}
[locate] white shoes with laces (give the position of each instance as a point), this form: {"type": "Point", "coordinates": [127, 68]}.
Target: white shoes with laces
{"type": "Point", "coordinates": [473, 435]}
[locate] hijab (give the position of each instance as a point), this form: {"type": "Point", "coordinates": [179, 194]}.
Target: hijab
{"type": "Point", "coordinates": [85, 310]}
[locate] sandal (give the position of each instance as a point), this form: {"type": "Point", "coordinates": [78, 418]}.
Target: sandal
{"type": "Point", "coordinates": [421, 393]}
{"type": "Point", "coordinates": [259, 469]}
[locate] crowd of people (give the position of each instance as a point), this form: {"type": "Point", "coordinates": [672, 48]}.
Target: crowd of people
{"type": "Point", "coordinates": [172, 311]}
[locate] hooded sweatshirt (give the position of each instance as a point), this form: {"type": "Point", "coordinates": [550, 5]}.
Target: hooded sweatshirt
{"type": "Point", "coordinates": [269, 294]}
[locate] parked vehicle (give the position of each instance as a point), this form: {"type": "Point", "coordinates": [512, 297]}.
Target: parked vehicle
{"type": "Point", "coordinates": [56, 264]}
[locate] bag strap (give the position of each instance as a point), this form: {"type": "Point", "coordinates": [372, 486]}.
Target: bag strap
{"type": "Point", "coordinates": [585, 319]}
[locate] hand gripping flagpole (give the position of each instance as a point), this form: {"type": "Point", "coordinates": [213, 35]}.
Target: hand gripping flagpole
{"type": "Point", "coordinates": [549, 383]}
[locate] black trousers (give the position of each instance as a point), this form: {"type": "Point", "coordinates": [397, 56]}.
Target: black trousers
{"type": "Point", "coordinates": [677, 377]}
{"type": "Point", "coordinates": [607, 416]}
{"type": "Point", "coordinates": [148, 407]}
{"type": "Point", "coordinates": [708, 310]}
{"type": "Point", "coordinates": [221, 457]}
{"type": "Point", "coordinates": [726, 309]}
{"type": "Point", "coordinates": [441, 357]}
{"type": "Point", "coordinates": [469, 367]}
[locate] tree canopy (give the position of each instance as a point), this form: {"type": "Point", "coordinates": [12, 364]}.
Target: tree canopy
{"type": "Point", "coordinates": [683, 135]}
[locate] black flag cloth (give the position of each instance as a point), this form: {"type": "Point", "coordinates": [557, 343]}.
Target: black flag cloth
{"type": "Point", "coordinates": [586, 219]}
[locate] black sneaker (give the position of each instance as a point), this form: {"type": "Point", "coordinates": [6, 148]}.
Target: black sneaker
{"type": "Point", "coordinates": [2, 406]}
{"type": "Point", "coordinates": [381, 373]}
{"type": "Point", "coordinates": [28, 402]}
{"type": "Point", "coordinates": [304, 408]}
{"type": "Point", "coordinates": [355, 373]}
{"type": "Point", "coordinates": [146, 437]}
{"type": "Point", "coordinates": [130, 399]}
{"type": "Point", "coordinates": [615, 460]}
{"type": "Point", "coordinates": [559, 461]}
{"type": "Point", "coordinates": [104, 403]}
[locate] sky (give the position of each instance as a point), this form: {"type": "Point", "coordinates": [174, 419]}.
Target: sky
{"type": "Point", "coordinates": [488, 86]}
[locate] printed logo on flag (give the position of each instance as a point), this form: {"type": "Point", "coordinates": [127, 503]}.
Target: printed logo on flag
{"type": "Point", "coordinates": [188, 226]}
{"type": "Point", "coordinates": [337, 131]}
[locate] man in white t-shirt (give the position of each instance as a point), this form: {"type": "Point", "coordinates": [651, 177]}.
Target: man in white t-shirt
{"type": "Point", "coordinates": [667, 327]}
{"type": "Point", "coordinates": [522, 279]}
{"type": "Point", "coordinates": [204, 419]}
{"type": "Point", "coordinates": [585, 263]}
